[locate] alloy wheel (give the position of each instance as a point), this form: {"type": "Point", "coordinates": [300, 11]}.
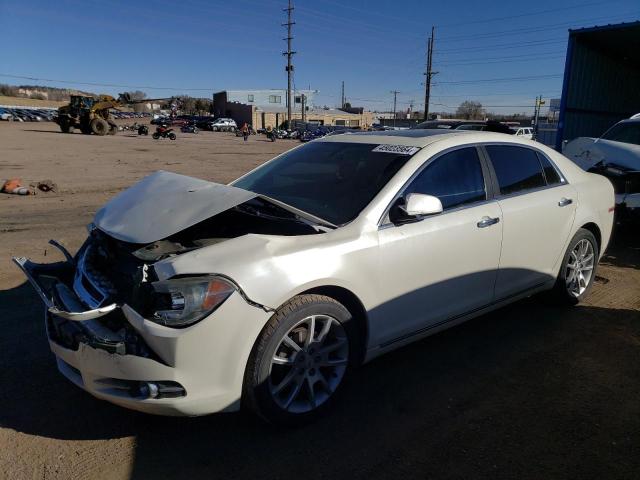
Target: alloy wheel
{"type": "Point", "coordinates": [579, 269]}
{"type": "Point", "coordinates": [309, 364]}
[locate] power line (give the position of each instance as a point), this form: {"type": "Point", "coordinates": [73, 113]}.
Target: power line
{"type": "Point", "coordinates": [506, 45]}
{"type": "Point", "coordinates": [520, 31]}
{"type": "Point", "coordinates": [504, 57]}
{"type": "Point", "coordinates": [481, 62]}
{"type": "Point", "coordinates": [529, 14]}
{"type": "Point", "coordinates": [502, 79]}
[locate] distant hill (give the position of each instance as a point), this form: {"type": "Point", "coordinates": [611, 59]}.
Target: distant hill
{"type": "Point", "coordinates": [39, 92]}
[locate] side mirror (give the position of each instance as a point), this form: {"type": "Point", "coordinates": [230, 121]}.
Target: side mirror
{"type": "Point", "coordinates": [414, 207]}
{"type": "Point", "coordinates": [419, 205]}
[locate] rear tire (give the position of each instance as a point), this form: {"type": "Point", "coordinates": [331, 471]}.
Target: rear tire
{"type": "Point", "coordinates": [99, 126]}
{"type": "Point", "coordinates": [113, 128]}
{"type": "Point", "coordinates": [292, 377]}
{"type": "Point", "coordinates": [578, 270]}
{"type": "Point", "coordinates": [172, 136]}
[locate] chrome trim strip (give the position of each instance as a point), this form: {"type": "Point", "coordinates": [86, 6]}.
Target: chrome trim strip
{"type": "Point", "coordinates": [79, 288]}
{"type": "Point", "coordinates": [25, 265]}
{"type": "Point", "coordinates": [64, 251]}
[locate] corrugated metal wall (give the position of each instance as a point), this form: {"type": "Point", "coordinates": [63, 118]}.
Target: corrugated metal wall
{"type": "Point", "coordinates": [601, 86]}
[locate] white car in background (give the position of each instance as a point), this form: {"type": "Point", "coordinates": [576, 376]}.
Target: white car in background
{"type": "Point", "coordinates": [524, 132]}
{"type": "Point", "coordinates": [616, 155]}
{"type": "Point", "coordinates": [223, 125]}
{"type": "Point", "coordinates": [190, 297]}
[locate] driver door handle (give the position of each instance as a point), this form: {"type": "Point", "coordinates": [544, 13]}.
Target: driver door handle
{"type": "Point", "coordinates": [487, 222]}
{"type": "Point", "coordinates": [564, 202]}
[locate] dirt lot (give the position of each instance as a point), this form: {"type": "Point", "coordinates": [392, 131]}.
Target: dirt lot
{"type": "Point", "coordinates": [531, 391]}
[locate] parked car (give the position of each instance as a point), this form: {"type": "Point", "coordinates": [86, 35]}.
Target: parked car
{"type": "Point", "coordinates": [223, 125]}
{"type": "Point", "coordinates": [525, 132]}
{"type": "Point", "coordinates": [451, 124]}
{"type": "Point", "coordinates": [6, 115]}
{"type": "Point", "coordinates": [190, 297]}
{"type": "Point", "coordinates": [616, 155]}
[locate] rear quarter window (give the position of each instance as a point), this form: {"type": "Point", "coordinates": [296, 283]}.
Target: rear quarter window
{"type": "Point", "coordinates": [550, 173]}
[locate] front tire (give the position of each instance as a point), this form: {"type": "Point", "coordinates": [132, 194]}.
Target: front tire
{"type": "Point", "coordinates": [99, 126]}
{"type": "Point", "coordinates": [300, 361]}
{"type": "Point", "coordinates": [156, 136]}
{"type": "Point", "coordinates": [578, 269]}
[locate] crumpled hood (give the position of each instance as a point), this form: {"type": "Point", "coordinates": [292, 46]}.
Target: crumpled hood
{"type": "Point", "coordinates": [165, 203]}
{"type": "Point", "coordinates": [587, 152]}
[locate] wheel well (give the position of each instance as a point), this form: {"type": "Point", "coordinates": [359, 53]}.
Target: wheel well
{"type": "Point", "coordinates": [593, 228]}
{"type": "Point", "coordinates": [355, 307]}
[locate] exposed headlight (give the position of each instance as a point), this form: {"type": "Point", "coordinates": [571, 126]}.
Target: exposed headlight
{"type": "Point", "coordinates": [184, 301]}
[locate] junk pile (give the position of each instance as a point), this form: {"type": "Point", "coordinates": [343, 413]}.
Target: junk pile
{"type": "Point", "coordinates": [15, 187]}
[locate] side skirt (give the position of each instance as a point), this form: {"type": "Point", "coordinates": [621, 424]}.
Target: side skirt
{"type": "Point", "coordinates": [429, 330]}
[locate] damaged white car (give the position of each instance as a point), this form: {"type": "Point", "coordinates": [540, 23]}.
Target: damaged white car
{"type": "Point", "coordinates": [615, 155]}
{"type": "Point", "coordinates": [190, 297]}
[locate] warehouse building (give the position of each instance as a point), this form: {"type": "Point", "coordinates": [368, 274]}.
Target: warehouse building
{"type": "Point", "coordinates": [601, 80]}
{"type": "Point", "coordinates": [262, 108]}
{"type": "Point", "coordinates": [263, 99]}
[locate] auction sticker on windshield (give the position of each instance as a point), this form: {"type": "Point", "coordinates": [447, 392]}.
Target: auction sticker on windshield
{"type": "Point", "coordinates": [397, 149]}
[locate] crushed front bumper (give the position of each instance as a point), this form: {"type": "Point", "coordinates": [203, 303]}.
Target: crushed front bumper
{"type": "Point", "coordinates": [116, 355]}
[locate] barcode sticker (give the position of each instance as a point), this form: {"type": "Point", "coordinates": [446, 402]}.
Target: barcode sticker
{"type": "Point", "coordinates": [397, 149]}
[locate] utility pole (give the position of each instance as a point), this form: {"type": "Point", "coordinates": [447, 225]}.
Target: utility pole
{"type": "Point", "coordinates": [429, 73]}
{"type": "Point", "coordinates": [343, 100]}
{"type": "Point", "coordinates": [395, 96]}
{"type": "Point", "coordinates": [303, 97]}
{"type": "Point", "coordinates": [536, 117]}
{"type": "Point", "coordinates": [289, 54]}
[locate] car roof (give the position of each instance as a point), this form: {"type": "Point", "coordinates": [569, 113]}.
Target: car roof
{"type": "Point", "coordinates": [419, 137]}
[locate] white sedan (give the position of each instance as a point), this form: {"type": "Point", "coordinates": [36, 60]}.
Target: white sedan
{"type": "Point", "coordinates": [190, 297]}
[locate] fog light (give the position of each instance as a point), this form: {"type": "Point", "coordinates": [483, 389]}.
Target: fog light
{"type": "Point", "coordinates": [147, 390]}
{"type": "Point", "coordinates": [168, 389]}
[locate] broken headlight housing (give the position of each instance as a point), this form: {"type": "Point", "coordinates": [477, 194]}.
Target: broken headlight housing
{"type": "Point", "coordinates": [182, 302]}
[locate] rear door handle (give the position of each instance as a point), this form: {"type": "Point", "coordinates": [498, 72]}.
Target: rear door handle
{"type": "Point", "coordinates": [487, 222]}
{"type": "Point", "coordinates": [564, 202]}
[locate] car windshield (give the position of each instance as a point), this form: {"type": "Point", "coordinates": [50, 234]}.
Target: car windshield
{"type": "Point", "coordinates": [331, 180]}
{"type": "Point", "coordinates": [624, 132]}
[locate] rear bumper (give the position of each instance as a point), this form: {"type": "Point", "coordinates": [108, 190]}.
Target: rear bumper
{"type": "Point", "coordinates": [207, 360]}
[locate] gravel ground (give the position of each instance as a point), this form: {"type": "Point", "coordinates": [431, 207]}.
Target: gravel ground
{"type": "Point", "coordinates": [530, 391]}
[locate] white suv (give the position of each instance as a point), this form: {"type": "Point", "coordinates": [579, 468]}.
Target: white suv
{"type": "Point", "coordinates": [223, 125]}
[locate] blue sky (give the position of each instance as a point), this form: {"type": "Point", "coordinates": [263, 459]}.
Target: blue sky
{"type": "Point", "coordinates": [197, 47]}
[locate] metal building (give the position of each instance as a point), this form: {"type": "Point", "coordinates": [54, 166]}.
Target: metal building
{"type": "Point", "coordinates": [601, 80]}
{"type": "Point", "coordinates": [267, 99]}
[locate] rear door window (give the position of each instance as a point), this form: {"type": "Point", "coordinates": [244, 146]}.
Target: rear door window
{"type": "Point", "coordinates": [518, 169]}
